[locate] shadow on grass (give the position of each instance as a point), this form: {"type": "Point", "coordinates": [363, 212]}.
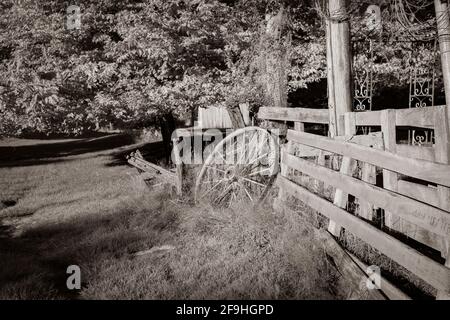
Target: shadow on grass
{"type": "Point", "coordinates": [40, 153]}
{"type": "Point", "coordinates": [34, 265]}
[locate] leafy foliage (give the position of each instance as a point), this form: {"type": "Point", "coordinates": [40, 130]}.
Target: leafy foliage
{"type": "Point", "coordinates": [133, 62]}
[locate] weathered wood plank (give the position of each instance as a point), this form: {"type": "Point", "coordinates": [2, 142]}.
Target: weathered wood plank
{"type": "Point", "coordinates": [347, 267]}
{"type": "Point", "coordinates": [390, 178]}
{"type": "Point", "coordinates": [420, 169]}
{"type": "Point", "coordinates": [425, 194]}
{"type": "Point", "coordinates": [391, 291]}
{"type": "Point", "coordinates": [153, 168]}
{"type": "Point", "coordinates": [306, 151]}
{"type": "Point", "coordinates": [416, 152]}
{"type": "Point", "coordinates": [425, 268]}
{"type": "Point", "coordinates": [176, 159]}
{"type": "Point", "coordinates": [420, 192]}
{"type": "Point", "coordinates": [217, 117]}
{"type": "Point", "coordinates": [197, 131]}
{"type": "Point", "coordinates": [442, 120]}
{"type": "Point", "coordinates": [369, 118]}
{"type": "Point", "coordinates": [426, 216]}
{"type": "Point", "coordinates": [294, 114]}
{"type": "Point", "coordinates": [348, 166]}
{"type": "Point", "coordinates": [414, 117]}
{"type": "Point", "coordinates": [372, 140]}
{"type": "Point", "coordinates": [368, 174]}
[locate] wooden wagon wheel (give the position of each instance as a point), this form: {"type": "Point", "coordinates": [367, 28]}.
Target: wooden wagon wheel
{"type": "Point", "coordinates": [240, 167]}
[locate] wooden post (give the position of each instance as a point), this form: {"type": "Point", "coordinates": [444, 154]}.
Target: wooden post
{"type": "Point", "coordinates": [443, 26]}
{"type": "Point", "coordinates": [442, 122]}
{"type": "Point", "coordinates": [176, 158]}
{"type": "Point", "coordinates": [390, 179]}
{"type": "Point", "coordinates": [348, 166]}
{"type": "Point", "coordinates": [340, 53]}
{"type": "Point", "coordinates": [442, 148]}
{"type": "Point", "coordinates": [285, 172]}
{"type": "Point", "coordinates": [332, 124]}
{"type": "Point", "coordinates": [339, 67]}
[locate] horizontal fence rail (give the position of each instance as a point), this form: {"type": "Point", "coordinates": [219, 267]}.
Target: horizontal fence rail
{"type": "Point", "coordinates": [415, 117]}
{"type": "Point", "coordinates": [294, 114]}
{"type": "Point", "coordinates": [431, 218]}
{"type": "Point", "coordinates": [420, 169]}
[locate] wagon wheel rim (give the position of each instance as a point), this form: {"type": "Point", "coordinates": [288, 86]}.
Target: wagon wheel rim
{"type": "Point", "coordinates": [240, 167]}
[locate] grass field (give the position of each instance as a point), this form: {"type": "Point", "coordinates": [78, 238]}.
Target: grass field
{"type": "Point", "coordinates": [90, 209]}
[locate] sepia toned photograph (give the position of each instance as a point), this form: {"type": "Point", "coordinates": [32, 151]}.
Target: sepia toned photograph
{"type": "Point", "coordinates": [224, 155]}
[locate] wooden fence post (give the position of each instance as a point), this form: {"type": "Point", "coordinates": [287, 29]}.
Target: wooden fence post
{"type": "Point", "coordinates": [442, 149]}
{"type": "Point", "coordinates": [332, 124]}
{"type": "Point", "coordinates": [341, 59]}
{"type": "Point", "coordinates": [442, 124]}
{"type": "Point", "coordinates": [390, 179]}
{"type": "Point", "coordinates": [176, 158]}
{"type": "Point", "coordinates": [348, 166]}
{"type": "Point", "coordinates": [290, 149]}
{"type": "Point", "coordinates": [368, 175]}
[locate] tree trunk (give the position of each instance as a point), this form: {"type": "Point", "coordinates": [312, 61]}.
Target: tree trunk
{"type": "Point", "coordinates": [168, 126]}
{"type": "Point", "coordinates": [276, 62]}
{"type": "Point", "coordinates": [236, 117]}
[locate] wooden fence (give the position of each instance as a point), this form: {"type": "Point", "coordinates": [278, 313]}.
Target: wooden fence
{"type": "Point", "coordinates": [414, 192]}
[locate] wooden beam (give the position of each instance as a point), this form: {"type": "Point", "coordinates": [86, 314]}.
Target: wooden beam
{"type": "Point", "coordinates": [419, 213]}
{"type": "Point", "coordinates": [294, 114]}
{"type": "Point", "coordinates": [420, 192]}
{"type": "Point", "coordinates": [390, 178]}
{"type": "Point", "coordinates": [369, 175]}
{"type": "Point", "coordinates": [425, 268]}
{"type": "Point", "coordinates": [443, 28]}
{"type": "Point", "coordinates": [425, 170]}
{"type": "Point", "coordinates": [353, 276]}
{"type": "Point", "coordinates": [176, 159]}
{"type": "Point", "coordinates": [348, 166]}
{"type": "Point", "coordinates": [416, 152]}
{"type": "Point", "coordinates": [390, 290]}
{"type": "Point", "coordinates": [369, 118]}
{"type": "Point", "coordinates": [372, 140]}
{"type": "Point", "coordinates": [442, 147]}
{"type": "Point", "coordinates": [341, 58]}
{"type": "Point", "coordinates": [414, 117]}
{"type": "Point", "coordinates": [333, 119]}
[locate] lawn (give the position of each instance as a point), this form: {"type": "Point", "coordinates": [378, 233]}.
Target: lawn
{"type": "Point", "coordinates": [89, 208]}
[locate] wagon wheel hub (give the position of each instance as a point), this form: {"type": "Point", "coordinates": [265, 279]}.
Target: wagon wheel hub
{"type": "Point", "coordinates": [231, 174]}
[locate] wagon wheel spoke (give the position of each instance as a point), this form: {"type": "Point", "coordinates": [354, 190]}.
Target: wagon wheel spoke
{"type": "Point", "coordinates": [258, 172]}
{"type": "Point", "coordinates": [238, 169]}
{"type": "Point", "coordinates": [223, 194]}
{"type": "Point", "coordinates": [247, 193]}
{"type": "Point", "coordinates": [213, 188]}
{"type": "Point", "coordinates": [215, 168]}
{"type": "Point", "coordinates": [254, 182]}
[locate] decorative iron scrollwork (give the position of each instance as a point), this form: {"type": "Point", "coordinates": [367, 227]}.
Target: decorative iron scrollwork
{"type": "Point", "coordinates": [363, 76]}
{"type": "Point", "coordinates": [421, 90]}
